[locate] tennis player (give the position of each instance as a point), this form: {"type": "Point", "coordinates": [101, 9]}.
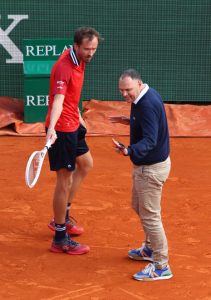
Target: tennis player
{"type": "Point", "coordinates": [149, 153]}
{"type": "Point", "coordinates": [69, 155]}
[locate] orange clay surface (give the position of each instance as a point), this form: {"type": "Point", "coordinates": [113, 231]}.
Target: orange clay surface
{"type": "Point", "coordinates": [29, 271]}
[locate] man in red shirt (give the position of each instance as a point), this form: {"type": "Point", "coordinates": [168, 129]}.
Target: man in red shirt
{"type": "Point", "coordinates": [69, 155]}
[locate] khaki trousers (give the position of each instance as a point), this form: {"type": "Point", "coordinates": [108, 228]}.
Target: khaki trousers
{"type": "Point", "coordinates": [148, 182]}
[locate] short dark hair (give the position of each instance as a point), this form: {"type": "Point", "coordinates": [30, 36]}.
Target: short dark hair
{"type": "Point", "coordinates": [132, 73]}
{"type": "Point", "coordinates": [86, 33]}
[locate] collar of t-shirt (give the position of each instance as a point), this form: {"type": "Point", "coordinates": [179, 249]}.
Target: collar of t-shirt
{"type": "Point", "coordinates": [73, 57]}
{"type": "Point", "coordinates": [143, 92]}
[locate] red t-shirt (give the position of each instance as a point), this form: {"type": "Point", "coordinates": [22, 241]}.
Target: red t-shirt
{"type": "Point", "coordinates": [66, 78]}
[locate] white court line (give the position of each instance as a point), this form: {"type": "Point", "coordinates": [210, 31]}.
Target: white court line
{"type": "Point", "coordinates": [134, 295]}
{"type": "Point", "coordinates": [79, 293]}
{"type": "Point", "coordinates": [83, 294]}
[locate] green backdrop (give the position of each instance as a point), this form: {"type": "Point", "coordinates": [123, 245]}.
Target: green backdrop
{"type": "Point", "coordinates": [167, 41]}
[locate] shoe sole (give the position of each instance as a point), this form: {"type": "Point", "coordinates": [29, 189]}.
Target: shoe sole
{"type": "Point", "coordinates": [84, 251]}
{"type": "Point", "coordinates": [154, 278]}
{"type": "Point", "coordinates": [140, 258]}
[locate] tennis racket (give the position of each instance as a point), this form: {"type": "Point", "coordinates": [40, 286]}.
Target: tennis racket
{"type": "Point", "coordinates": [34, 165]}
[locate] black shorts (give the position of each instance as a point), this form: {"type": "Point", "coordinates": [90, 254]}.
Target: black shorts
{"type": "Point", "coordinates": [68, 145]}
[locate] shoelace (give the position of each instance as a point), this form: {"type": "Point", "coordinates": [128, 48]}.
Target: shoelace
{"type": "Point", "coordinates": [139, 249]}
{"type": "Point", "coordinates": [143, 246]}
{"type": "Point", "coordinates": [72, 243]}
{"type": "Point", "coordinates": [149, 269]}
{"type": "Point", "coordinates": [143, 251]}
{"type": "Point", "coordinates": [71, 221]}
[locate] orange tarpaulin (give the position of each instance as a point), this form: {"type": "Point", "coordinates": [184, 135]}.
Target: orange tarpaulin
{"type": "Point", "coordinates": [11, 119]}
{"type": "Point", "coordinates": [183, 119]}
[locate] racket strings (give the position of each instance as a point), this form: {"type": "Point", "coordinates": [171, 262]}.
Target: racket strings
{"type": "Point", "coordinates": [33, 169]}
{"type": "Point", "coordinates": [34, 165]}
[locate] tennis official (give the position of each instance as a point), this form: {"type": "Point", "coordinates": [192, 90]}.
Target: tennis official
{"type": "Point", "coordinates": [149, 153]}
{"type": "Point", "coordinates": [69, 155]}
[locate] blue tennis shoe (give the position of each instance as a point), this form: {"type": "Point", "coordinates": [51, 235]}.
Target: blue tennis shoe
{"type": "Point", "coordinates": [151, 273]}
{"type": "Point", "coordinates": [142, 253]}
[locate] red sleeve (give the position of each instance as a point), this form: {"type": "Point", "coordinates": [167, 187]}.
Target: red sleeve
{"type": "Point", "coordinates": [61, 79]}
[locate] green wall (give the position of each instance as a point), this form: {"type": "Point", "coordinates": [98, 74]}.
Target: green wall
{"type": "Point", "coordinates": [167, 41]}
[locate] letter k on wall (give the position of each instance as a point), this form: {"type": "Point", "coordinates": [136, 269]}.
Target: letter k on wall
{"type": "Point", "coordinates": [7, 43]}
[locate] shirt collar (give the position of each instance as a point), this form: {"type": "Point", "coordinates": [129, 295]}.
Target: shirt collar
{"type": "Point", "coordinates": [73, 57]}
{"type": "Point", "coordinates": [142, 93]}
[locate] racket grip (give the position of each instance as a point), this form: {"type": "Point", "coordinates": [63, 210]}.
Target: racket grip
{"type": "Point", "coordinates": [48, 144]}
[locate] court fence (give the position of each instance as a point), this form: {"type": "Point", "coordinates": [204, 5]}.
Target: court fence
{"type": "Point", "coordinates": [168, 42]}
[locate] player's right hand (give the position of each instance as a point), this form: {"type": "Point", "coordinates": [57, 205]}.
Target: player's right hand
{"type": "Point", "coordinates": [51, 135]}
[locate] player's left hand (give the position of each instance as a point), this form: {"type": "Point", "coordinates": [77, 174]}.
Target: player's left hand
{"type": "Point", "coordinates": [120, 148]}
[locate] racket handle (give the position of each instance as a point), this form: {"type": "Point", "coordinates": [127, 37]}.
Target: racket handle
{"type": "Point", "coordinates": [48, 144]}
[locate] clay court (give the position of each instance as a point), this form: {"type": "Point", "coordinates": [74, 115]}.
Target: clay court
{"type": "Point", "coordinates": [30, 271]}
